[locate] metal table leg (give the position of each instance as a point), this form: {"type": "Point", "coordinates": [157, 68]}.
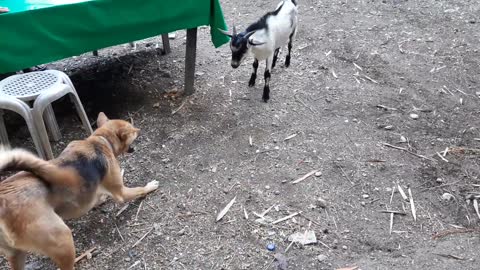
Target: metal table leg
{"type": "Point", "coordinates": [190, 56]}
{"type": "Point", "coordinates": [166, 44]}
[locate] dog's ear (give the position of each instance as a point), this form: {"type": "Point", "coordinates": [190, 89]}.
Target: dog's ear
{"type": "Point", "coordinates": [101, 119]}
{"type": "Point", "coordinates": [125, 132]}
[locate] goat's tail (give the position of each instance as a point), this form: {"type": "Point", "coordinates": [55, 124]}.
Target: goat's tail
{"type": "Point", "coordinates": [22, 160]}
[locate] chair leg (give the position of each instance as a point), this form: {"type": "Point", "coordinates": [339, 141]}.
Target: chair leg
{"type": "Point", "coordinates": [166, 44]}
{"type": "Point", "coordinates": [51, 121]}
{"type": "Point", "coordinates": [81, 112]}
{"type": "Point", "coordinates": [37, 140]}
{"type": "Point", "coordinates": [3, 131]}
{"type": "Point", "coordinates": [42, 134]}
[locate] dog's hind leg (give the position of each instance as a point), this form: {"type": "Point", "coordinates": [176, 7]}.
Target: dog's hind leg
{"type": "Point", "coordinates": [50, 236]}
{"type": "Point", "coordinates": [17, 260]}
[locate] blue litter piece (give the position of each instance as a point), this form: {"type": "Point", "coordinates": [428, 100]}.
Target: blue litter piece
{"type": "Point", "coordinates": [271, 247]}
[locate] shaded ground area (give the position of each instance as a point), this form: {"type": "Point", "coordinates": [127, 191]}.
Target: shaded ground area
{"type": "Point", "coordinates": [360, 69]}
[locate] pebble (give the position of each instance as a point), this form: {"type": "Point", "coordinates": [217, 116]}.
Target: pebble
{"type": "Point", "coordinates": [267, 187]}
{"type": "Point", "coordinates": [365, 196]}
{"type": "Point", "coordinates": [322, 203]}
{"type": "Point", "coordinates": [318, 174]}
{"type": "Point", "coordinates": [344, 247]}
{"type": "Point", "coordinates": [127, 259]}
{"type": "Point", "coordinates": [414, 116]}
{"type": "Point", "coordinates": [439, 180]}
{"type": "Point", "coordinates": [321, 257]}
{"type": "Point", "coordinates": [276, 192]}
{"type": "Point", "coordinates": [447, 196]}
{"type": "Point", "coordinates": [363, 203]}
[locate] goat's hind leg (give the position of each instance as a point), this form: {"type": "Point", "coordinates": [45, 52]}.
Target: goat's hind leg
{"type": "Point", "coordinates": [290, 40]}
{"type": "Point", "coordinates": [254, 73]}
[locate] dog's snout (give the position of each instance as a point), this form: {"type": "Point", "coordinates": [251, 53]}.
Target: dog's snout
{"type": "Point", "coordinates": [235, 64]}
{"type": "Point", "coordinates": [131, 149]}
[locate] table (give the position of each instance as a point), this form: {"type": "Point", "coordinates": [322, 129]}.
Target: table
{"type": "Point", "coordinates": [40, 31]}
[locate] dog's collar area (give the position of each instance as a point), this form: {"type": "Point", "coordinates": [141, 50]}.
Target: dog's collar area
{"type": "Point", "coordinates": [109, 144]}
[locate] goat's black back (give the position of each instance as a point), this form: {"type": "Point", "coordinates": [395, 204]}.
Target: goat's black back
{"type": "Point", "coordinates": [262, 22]}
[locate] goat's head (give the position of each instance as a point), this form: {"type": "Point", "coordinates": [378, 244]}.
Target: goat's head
{"type": "Point", "coordinates": [240, 45]}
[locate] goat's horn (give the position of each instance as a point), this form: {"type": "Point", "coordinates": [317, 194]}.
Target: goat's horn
{"type": "Point", "coordinates": [225, 32]}
{"type": "Point", "coordinates": [255, 43]}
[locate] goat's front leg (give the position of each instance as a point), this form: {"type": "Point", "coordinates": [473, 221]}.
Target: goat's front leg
{"type": "Point", "coordinates": [254, 73]}
{"type": "Point", "coordinates": [266, 88]}
{"type": "Point", "coordinates": [275, 56]}
{"type": "Point", "coordinates": [290, 40]}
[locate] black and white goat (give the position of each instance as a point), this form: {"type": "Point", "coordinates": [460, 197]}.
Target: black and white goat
{"type": "Point", "coordinates": [264, 38]}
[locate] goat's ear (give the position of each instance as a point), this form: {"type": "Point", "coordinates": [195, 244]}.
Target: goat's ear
{"type": "Point", "coordinates": [225, 32]}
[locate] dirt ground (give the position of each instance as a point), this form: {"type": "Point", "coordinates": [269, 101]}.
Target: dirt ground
{"type": "Point", "coordinates": [360, 69]}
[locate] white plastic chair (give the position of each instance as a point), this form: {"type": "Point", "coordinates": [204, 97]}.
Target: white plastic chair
{"type": "Point", "coordinates": [43, 88]}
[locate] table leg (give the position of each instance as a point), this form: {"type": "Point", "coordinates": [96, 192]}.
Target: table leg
{"type": "Point", "coordinates": [166, 44]}
{"type": "Point", "coordinates": [190, 56]}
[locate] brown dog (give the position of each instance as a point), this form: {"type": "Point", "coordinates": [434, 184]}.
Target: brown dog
{"type": "Point", "coordinates": [34, 203]}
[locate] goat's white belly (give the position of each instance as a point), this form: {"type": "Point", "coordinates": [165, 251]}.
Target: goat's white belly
{"type": "Point", "coordinates": [261, 52]}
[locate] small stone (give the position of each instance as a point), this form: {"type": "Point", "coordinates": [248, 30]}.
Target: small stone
{"type": "Point", "coordinates": [344, 247]}
{"type": "Point", "coordinates": [447, 196]}
{"type": "Point", "coordinates": [267, 187]}
{"type": "Point", "coordinates": [318, 174]}
{"type": "Point", "coordinates": [321, 203]}
{"type": "Point", "coordinates": [127, 259]}
{"type": "Point", "coordinates": [403, 139]}
{"type": "Point", "coordinates": [321, 257]}
{"type": "Point", "coordinates": [389, 127]}
{"type": "Point", "coordinates": [365, 196]}
{"type": "Point", "coordinates": [439, 180]}
{"type": "Point", "coordinates": [276, 192]}
{"type": "Point", "coordinates": [388, 189]}
{"type": "Point", "coordinates": [414, 116]}
{"type": "Point", "coordinates": [363, 203]}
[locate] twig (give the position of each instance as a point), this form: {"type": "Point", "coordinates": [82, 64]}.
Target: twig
{"type": "Point", "coordinates": [408, 151]}
{"type": "Point", "coordinates": [412, 205]}
{"type": "Point", "coordinates": [475, 205]}
{"type": "Point", "coordinates": [450, 256]}
{"type": "Point", "coordinates": [304, 177]}
{"type": "Point", "coordinates": [393, 212]}
{"type": "Point", "coordinates": [87, 253]}
{"type": "Point", "coordinates": [288, 247]}
{"type": "Point", "coordinates": [402, 193]}
{"type": "Point", "coordinates": [393, 192]}
{"type": "Point", "coordinates": [180, 107]}
{"type": "Point", "coordinates": [141, 238]}
{"type": "Point", "coordinates": [138, 211]}
{"type": "Point", "coordinates": [285, 218]}
{"type": "Point", "coordinates": [290, 137]}
{"type": "Point", "coordinates": [444, 159]}
{"type": "Point", "coordinates": [122, 209]}
{"type": "Point", "coordinates": [370, 79]}
{"type": "Point", "coordinates": [386, 108]}
{"type": "Point", "coordinates": [391, 222]}
{"type": "Point", "coordinates": [119, 233]}
{"type": "Point", "coordinates": [225, 210]}
{"type": "Point", "coordinates": [345, 174]}
{"type": "Point", "coordinates": [245, 212]}
{"type": "Point", "coordinates": [450, 232]}
{"type": "Point", "coordinates": [303, 103]}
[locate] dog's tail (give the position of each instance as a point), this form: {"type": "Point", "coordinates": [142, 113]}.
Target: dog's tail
{"type": "Point", "coordinates": [22, 160]}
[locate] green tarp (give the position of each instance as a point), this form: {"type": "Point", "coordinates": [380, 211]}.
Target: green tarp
{"type": "Point", "coordinates": [40, 31]}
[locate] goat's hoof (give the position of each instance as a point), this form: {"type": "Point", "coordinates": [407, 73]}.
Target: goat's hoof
{"type": "Point", "coordinates": [265, 98]}
{"type": "Point", "coordinates": [251, 83]}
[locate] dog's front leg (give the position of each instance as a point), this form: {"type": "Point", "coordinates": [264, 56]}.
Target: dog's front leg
{"type": "Point", "coordinates": [121, 193]}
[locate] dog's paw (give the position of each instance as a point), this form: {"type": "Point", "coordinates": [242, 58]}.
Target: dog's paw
{"type": "Point", "coordinates": [152, 185]}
